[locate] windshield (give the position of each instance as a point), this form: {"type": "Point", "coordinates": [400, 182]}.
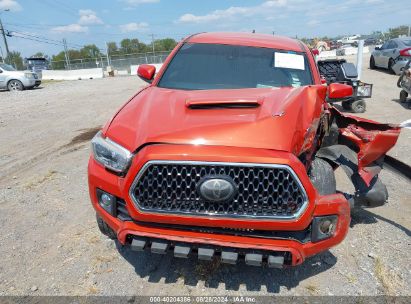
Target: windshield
{"type": "Point", "coordinates": [215, 66]}
{"type": "Point", "coordinates": [7, 67]}
{"type": "Point", "coordinates": [37, 62]}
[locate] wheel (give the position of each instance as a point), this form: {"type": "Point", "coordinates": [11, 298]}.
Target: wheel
{"type": "Point", "coordinates": [374, 195]}
{"type": "Point", "coordinates": [346, 105]}
{"type": "Point", "coordinates": [358, 106]}
{"type": "Point", "coordinates": [105, 229]}
{"type": "Point", "coordinates": [372, 63]}
{"type": "Point", "coordinates": [390, 64]}
{"type": "Point", "coordinates": [15, 85]}
{"type": "Point", "coordinates": [403, 96]}
{"type": "Point", "coordinates": [322, 176]}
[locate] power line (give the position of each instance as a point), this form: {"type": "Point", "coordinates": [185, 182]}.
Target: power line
{"type": "Point", "coordinates": [34, 36]}
{"type": "Point", "coordinates": [34, 24]}
{"type": "Point", "coordinates": [71, 45]}
{"type": "Point", "coordinates": [37, 40]}
{"type": "Point", "coordinates": [40, 39]}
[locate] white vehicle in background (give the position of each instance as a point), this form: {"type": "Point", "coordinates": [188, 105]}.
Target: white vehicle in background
{"type": "Point", "coordinates": [13, 80]}
{"type": "Point", "coordinates": [352, 40]}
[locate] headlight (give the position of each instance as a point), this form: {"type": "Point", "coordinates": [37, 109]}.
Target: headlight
{"type": "Point", "coordinates": [111, 155]}
{"type": "Point", "coordinates": [29, 75]}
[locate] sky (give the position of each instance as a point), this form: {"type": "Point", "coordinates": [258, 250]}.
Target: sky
{"type": "Point", "coordinates": [83, 22]}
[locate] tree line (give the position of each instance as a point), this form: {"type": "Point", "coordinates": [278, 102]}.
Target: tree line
{"type": "Point", "coordinates": [126, 46]}
{"type": "Point", "coordinates": [91, 51]}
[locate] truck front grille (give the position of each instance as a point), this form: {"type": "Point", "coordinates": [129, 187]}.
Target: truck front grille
{"type": "Point", "coordinates": [263, 190]}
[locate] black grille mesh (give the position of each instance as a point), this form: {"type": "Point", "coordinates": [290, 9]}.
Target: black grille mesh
{"type": "Point", "coordinates": [262, 191]}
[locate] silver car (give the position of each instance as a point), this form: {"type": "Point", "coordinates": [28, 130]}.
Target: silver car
{"type": "Point", "coordinates": [392, 55]}
{"type": "Point", "coordinates": [13, 80]}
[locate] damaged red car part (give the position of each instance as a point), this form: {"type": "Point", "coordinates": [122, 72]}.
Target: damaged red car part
{"type": "Point", "coordinates": [230, 152]}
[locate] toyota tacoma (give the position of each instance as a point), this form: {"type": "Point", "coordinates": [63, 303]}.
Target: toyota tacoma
{"type": "Point", "coordinates": [230, 151]}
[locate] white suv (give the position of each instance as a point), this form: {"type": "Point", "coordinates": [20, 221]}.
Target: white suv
{"type": "Point", "coordinates": [13, 80]}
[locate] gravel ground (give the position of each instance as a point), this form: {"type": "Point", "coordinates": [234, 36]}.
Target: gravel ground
{"type": "Point", "coordinates": [50, 244]}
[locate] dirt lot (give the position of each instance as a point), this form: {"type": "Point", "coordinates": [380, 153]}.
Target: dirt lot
{"type": "Point", "coordinates": [50, 244]}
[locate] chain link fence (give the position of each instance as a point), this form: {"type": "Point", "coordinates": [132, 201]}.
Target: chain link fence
{"type": "Point", "coordinates": [117, 62]}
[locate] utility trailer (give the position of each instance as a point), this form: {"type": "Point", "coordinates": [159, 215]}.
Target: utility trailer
{"type": "Point", "coordinates": [341, 71]}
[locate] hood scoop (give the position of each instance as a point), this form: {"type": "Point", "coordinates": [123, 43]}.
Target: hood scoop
{"type": "Point", "coordinates": [222, 103]}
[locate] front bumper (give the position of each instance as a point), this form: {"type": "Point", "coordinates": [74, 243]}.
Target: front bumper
{"type": "Point", "coordinates": [399, 66]}
{"type": "Point", "coordinates": [336, 204]}
{"type": "Point", "coordinates": [29, 82]}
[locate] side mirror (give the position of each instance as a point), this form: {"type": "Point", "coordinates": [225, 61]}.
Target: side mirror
{"type": "Point", "coordinates": [339, 91]}
{"type": "Point", "coordinates": [146, 72]}
{"type": "Point", "coordinates": [377, 48]}
{"type": "Point", "coordinates": [1, 71]}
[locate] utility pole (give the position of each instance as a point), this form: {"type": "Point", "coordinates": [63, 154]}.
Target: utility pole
{"type": "Point", "coordinates": [4, 38]}
{"type": "Point", "coordinates": [108, 56]}
{"type": "Point", "coordinates": [409, 30]}
{"type": "Point", "coordinates": [152, 42]}
{"type": "Point", "coordinates": [2, 55]}
{"type": "Point", "coordinates": [66, 53]}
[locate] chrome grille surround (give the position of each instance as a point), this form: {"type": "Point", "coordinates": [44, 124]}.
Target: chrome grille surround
{"type": "Point", "coordinates": [193, 198]}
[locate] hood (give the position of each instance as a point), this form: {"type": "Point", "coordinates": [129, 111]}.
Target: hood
{"type": "Point", "coordinates": [15, 73]}
{"type": "Point", "coordinates": [280, 118]}
{"type": "Point", "coordinates": [19, 73]}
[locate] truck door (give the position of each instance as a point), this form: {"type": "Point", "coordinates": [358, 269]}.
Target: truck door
{"type": "Point", "coordinates": [378, 55]}
{"type": "Point", "coordinates": [388, 53]}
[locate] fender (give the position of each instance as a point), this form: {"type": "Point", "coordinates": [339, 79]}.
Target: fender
{"type": "Point", "coordinates": [359, 147]}
{"type": "Point", "coordinates": [370, 139]}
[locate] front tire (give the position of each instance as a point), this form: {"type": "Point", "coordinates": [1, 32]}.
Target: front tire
{"type": "Point", "coordinates": [372, 63]}
{"type": "Point", "coordinates": [390, 64]}
{"type": "Point", "coordinates": [105, 229]}
{"type": "Point", "coordinates": [15, 85]}
{"type": "Point", "coordinates": [346, 105]}
{"type": "Point", "coordinates": [358, 106]}
{"type": "Point", "coordinates": [403, 96]}
{"type": "Point", "coordinates": [322, 177]}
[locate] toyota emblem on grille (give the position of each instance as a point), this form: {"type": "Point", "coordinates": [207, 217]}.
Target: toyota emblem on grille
{"type": "Point", "coordinates": [217, 189]}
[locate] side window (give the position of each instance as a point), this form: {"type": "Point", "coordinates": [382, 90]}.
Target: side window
{"type": "Point", "coordinates": [394, 45]}
{"type": "Point", "coordinates": [385, 45]}
{"type": "Point", "coordinates": [391, 45]}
